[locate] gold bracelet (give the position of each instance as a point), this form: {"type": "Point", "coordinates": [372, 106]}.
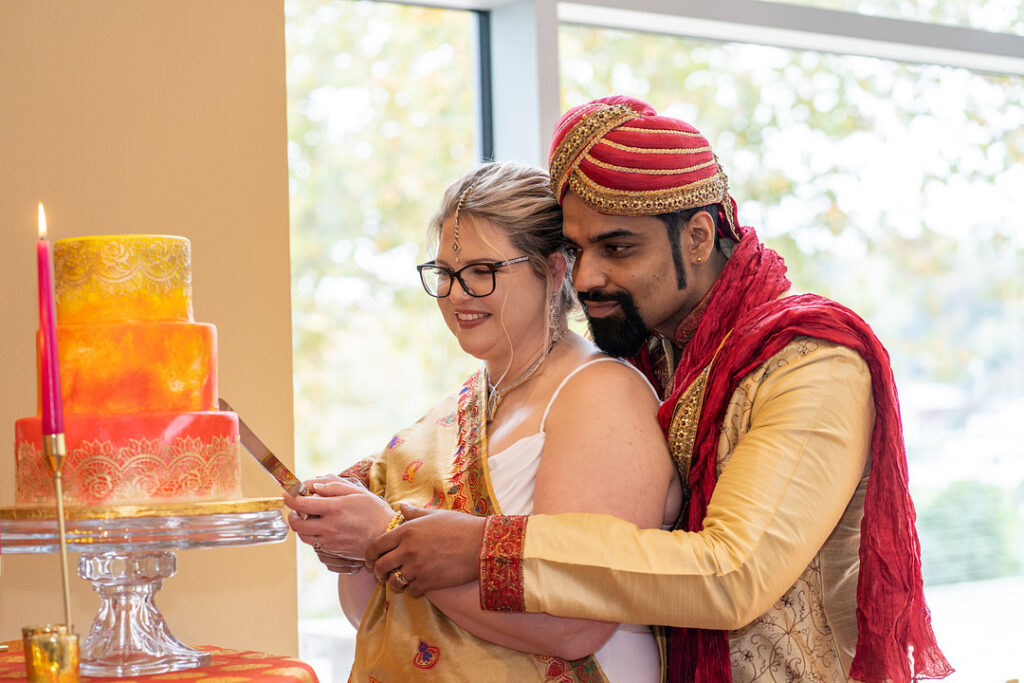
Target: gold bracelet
{"type": "Point", "coordinates": [395, 521]}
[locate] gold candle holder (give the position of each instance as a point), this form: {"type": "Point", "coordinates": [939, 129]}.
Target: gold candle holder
{"type": "Point", "coordinates": [55, 451]}
{"type": "Point", "coordinates": [51, 654]}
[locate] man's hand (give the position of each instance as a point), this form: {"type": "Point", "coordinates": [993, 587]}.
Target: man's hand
{"type": "Point", "coordinates": [433, 549]}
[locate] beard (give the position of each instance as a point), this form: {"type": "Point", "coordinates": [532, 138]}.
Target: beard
{"type": "Point", "coordinates": [617, 335]}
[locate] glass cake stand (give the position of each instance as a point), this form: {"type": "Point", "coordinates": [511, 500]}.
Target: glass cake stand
{"type": "Point", "coordinates": [127, 552]}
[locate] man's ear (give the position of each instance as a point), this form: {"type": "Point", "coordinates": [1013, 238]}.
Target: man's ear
{"type": "Point", "coordinates": [699, 237]}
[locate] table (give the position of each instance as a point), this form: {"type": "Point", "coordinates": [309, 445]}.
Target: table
{"type": "Point", "coordinates": [226, 666]}
{"type": "Point", "coordinates": [126, 555]}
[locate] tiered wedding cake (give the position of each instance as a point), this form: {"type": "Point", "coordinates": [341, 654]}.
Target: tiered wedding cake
{"type": "Point", "coordinates": [139, 382]}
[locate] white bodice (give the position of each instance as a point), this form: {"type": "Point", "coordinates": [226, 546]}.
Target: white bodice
{"type": "Point", "coordinates": [631, 654]}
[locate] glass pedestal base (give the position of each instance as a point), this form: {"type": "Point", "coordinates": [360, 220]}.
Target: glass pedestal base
{"type": "Point", "coordinates": [126, 553]}
{"type": "Point", "coordinates": [129, 636]}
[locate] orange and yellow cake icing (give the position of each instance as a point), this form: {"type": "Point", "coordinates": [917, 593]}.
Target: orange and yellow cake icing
{"type": "Point", "coordinates": [138, 367]}
{"type": "Point", "coordinates": [139, 381]}
{"type": "Point", "coordinates": [117, 278]}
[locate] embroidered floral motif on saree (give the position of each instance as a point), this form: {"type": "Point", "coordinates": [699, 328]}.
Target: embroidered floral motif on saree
{"type": "Point", "coordinates": [441, 461]}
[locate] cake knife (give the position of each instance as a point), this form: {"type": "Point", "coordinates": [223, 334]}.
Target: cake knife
{"type": "Point", "coordinates": [277, 469]}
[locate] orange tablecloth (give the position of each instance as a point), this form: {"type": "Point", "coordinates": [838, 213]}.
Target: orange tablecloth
{"type": "Point", "coordinates": [226, 666]}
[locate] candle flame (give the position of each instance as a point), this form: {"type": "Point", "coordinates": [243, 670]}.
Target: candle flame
{"type": "Point", "coordinates": [42, 222]}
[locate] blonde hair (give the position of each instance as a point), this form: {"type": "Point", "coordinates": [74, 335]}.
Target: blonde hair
{"type": "Point", "coordinates": [515, 198]}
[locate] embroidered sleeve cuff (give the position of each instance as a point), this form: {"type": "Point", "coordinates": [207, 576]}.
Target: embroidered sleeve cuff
{"type": "Point", "coordinates": [501, 564]}
{"type": "Point", "coordinates": [360, 471]}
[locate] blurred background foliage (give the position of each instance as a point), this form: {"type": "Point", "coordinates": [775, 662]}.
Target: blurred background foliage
{"type": "Point", "coordinates": [380, 120]}
{"type": "Point", "coordinates": [892, 188]}
{"type": "Point", "coordinates": [972, 531]}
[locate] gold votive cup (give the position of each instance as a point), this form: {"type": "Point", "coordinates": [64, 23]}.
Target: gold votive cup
{"type": "Point", "coordinates": [51, 654]}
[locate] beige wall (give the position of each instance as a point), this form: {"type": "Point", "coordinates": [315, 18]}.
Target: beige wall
{"type": "Point", "coordinates": [164, 116]}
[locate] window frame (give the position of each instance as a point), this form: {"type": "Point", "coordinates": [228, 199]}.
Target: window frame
{"type": "Point", "coordinates": [518, 57]}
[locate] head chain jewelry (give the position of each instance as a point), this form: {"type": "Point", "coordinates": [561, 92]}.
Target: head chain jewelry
{"type": "Point", "coordinates": [456, 247]}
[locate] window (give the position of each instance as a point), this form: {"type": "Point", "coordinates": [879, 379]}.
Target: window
{"type": "Point", "coordinates": [1000, 15]}
{"type": "Point", "coordinates": [889, 188]}
{"type": "Point", "coordinates": [381, 119]}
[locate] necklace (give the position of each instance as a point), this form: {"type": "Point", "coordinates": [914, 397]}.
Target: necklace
{"type": "Point", "coordinates": [495, 395]}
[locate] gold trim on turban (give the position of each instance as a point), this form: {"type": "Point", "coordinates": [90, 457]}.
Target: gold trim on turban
{"type": "Point", "coordinates": [584, 135]}
{"type": "Point", "coordinates": [649, 202]}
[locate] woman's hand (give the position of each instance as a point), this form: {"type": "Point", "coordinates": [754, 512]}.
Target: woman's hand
{"type": "Point", "coordinates": [339, 519]}
{"type": "Point", "coordinates": [339, 564]}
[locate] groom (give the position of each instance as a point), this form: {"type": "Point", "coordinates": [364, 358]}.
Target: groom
{"type": "Point", "coordinates": [796, 551]}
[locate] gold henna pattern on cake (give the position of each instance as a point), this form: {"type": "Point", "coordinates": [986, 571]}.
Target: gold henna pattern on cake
{"type": "Point", "coordinates": [188, 469]}
{"type": "Point", "coordinates": [125, 263]}
{"type": "Point", "coordinates": [123, 277]}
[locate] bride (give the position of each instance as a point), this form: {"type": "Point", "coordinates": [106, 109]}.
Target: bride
{"type": "Point", "coordinates": [549, 424]}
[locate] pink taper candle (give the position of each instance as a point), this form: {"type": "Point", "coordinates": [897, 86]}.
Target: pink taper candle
{"type": "Point", "coordinates": [53, 414]}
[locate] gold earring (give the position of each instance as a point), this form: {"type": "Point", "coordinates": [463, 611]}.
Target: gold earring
{"type": "Point", "coordinates": [699, 259]}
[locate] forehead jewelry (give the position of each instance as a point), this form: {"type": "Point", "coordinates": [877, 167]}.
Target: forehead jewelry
{"type": "Point", "coordinates": [456, 247]}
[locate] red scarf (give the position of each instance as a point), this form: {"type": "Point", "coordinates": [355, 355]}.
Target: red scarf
{"type": "Point", "coordinates": [892, 616]}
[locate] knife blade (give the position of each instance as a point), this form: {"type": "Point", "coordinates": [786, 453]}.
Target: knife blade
{"type": "Point", "coordinates": [266, 458]}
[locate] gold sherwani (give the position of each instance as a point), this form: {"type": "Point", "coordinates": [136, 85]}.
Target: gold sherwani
{"type": "Point", "coordinates": [441, 461]}
{"type": "Point", "coordinates": [784, 520]}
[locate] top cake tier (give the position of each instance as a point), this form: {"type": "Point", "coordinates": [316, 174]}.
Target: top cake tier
{"type": "Point", "coordinates": [123, 278]}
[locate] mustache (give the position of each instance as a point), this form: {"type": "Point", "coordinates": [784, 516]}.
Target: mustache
{"type": "Point", "coordinates": [598, 296]}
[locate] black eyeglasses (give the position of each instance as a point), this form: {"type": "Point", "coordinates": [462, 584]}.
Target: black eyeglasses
{"type": "Point", "coordinates": [477, 279]}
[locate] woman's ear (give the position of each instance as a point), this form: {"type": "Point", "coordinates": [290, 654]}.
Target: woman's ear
{"type": "Point", "coordinates": [558, 265]}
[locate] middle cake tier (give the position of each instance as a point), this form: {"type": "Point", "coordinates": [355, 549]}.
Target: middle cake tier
{"type": "Point", "coordinates": [138, 367]}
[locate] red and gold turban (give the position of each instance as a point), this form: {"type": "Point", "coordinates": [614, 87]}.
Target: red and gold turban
{"type": "Point", "coordinates": [622, 159]}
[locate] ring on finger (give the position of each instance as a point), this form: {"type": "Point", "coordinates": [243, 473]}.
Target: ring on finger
{"type": "Point", "coordinates": [400, 578]}
{"type": "Point", "coordinates": [316, 543]}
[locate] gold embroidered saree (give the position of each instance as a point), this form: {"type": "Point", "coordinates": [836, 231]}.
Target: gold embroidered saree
{"type": "Point", "coordinates": [441, 461]}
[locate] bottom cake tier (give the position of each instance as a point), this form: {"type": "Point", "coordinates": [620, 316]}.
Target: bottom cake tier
{"type": "Point", "coordinates": [132, 459]}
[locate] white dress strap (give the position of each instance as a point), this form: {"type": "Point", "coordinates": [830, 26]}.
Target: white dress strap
{"type": "Point", "coordinates": [544, 419]}
{"type": "Point", "coordinates": [631, 654]}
